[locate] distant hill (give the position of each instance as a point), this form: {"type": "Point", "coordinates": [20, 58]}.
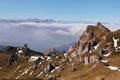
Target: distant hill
{"type": "Point", "coordinates": [1, 47]}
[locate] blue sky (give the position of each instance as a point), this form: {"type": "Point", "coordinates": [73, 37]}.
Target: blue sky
{"type": "Point", "coordinates": [72, 10]}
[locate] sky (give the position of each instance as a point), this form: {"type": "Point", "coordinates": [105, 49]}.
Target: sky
{"type": "Point", "coordinates": [64, 10]}
{"type": "Point", "coordinates": [43, 36]}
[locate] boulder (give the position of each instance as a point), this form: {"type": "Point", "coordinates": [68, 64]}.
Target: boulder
{"type": "Point", "coordinates": [49, 68]}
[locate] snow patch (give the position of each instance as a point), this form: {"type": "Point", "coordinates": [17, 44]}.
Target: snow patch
{"type": "Point", "coordinates": [73, 54]}
{"type": "Point", "coordinates": [33, 66]}
{"type": "Point", "coordinates": [39, 64]}
{"type": "Point", "coordinates": [33, 58]}
{"type": "Point", "coordinates": [27, 70]}
{"type": "Point", "coordinates": [20, 52]}
{"type": "Point", "coordinates": [104, 61]}
{"type": "Point", "coordinates": [42, 57]}
{"type": "Point", "coordinates": [31, 73]}
{"type": "Point", "coordinates": [90, 51]}
{"type": "Point", "coordinates": [55, 69]}
{"type": "Point", "coordinates": [70, 59]}
{"type": "Point", "coordinates": [17, 68]}
{"type": "Point", "coordinates": [57, 57]}
{"type": "Point", "coordinates": [50, 76]}
{"type": "Point", "coordinates": [96, 46]}
{"type": "Point", "coordinates": [52, 70]}
{"type": "Point", "coordinates": [20, 75]}
{"type": "Point", "coordinates": [112, 67]}
{"type": "Point", "coordinates": [106, 55]}
{"type": "Point", "coordinates": [39, 74]}
{"type": "Point", "coordinates": [115, 42]}
{"type": "Point", "coordinates": [65, 55]}
{"type": "Point", "coordinates": [48, 58]}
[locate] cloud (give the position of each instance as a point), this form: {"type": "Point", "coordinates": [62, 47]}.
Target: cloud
{"type": "Point", "coordinates": [112, 26]}
{"type": "Point", "coordinates": [42, 36]}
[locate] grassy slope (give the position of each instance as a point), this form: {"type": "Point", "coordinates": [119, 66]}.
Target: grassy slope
{"type": "Point", "coordinates": [98, 73]}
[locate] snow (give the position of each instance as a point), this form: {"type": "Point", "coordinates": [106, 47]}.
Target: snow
{"type": "Point", "coordinates": [33, 58]}
{"type": "Point", "coordinates": [65, 55]}
{"type": "Point", "coordinates": [42, 57]}
{"type": "Point", "coordinates": [33, 66]}
{"type": "Point", "coordinates": [73, 54]}
{"type": "Point", "coordinates": [27, 70]}
{"type": "Point", "coordinates": [50, 76]}
{"type": "Point", "coordinates": [90, 51]}
{"type": "Point", "coordinates": [106, 55]}
{"type": "Point", "coordinates": [39, 74]}
{"type": "Point", "coordinates": [96, 46]}
{"type": "Point", "coordinates": [70, 59]}
{"type": "Point", "coordinates": [55, 69]}
{"type": "Point", "coordinates": [118, 49]}
{"type": "Point", "coordinates": [112, 67]}
{"type": "Point", "coordinates": [20, 75]}
{"type": "Point", "coordinates": [48, 58]}
{"type": "Point", "coordinates": [20, 52]}
{"type": "Point", "coordinates": [31, 73]}
{"type": "Point", "coordinates": [17, 68]}
{"type": "Point", "coordinates": [57, 57]}
{"type": "Point", "coordinates": [52, 70]}
{"type": "Point", "coordinates": [104, 61]}
{"type": "Point", "coordinates": [115, 42]}
{"type": "Point", "coordinates": [39, 64]}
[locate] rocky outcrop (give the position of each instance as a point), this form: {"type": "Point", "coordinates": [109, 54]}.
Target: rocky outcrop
{"type": "Point", "coordinates": [95, 42]}
{"type": "Point", "coordinates": [20, 51]}
{"type": "Point", "coordinates": [15, 52]}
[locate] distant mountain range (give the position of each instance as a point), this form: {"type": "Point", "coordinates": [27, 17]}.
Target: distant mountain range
{"type": "Point", "coordinates": [27, 20]}
{"type": "Point", "coordinates": [37, 20]}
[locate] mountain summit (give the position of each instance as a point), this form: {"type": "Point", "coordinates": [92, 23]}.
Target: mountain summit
{"type": "Point", "coordinates": [95, 42]}
{"type": "Point", "coordinates": [95, 56]}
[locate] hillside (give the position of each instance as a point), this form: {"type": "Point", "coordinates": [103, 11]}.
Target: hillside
{"type": "Point", "coordinates": [95, 56]}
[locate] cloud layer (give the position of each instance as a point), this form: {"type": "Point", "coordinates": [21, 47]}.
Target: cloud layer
{"type": "Point", "coordinates": [42, 36]}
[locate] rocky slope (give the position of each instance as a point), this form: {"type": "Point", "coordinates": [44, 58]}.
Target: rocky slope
{"type": "Point", "coordinates": [95, 56]}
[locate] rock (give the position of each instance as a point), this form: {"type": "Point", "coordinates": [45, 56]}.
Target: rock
{"type": "Point", "coordinates": [86, 60]}
{"type": "Point", "coordinates": [49, 68]}
{"type": "Point", "coordinates": [94, 58]}
{"type": "Point", "coordinates": [9, 50]}
{"type": "Point", "coordinates": [13, 58]}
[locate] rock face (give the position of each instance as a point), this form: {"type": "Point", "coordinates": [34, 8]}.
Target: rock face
{"type": "Point", "coordinates": [95, 42]}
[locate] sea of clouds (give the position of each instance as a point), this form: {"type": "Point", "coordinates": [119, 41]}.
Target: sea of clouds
{"type": "Point", "coordinates": [43, 36]}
